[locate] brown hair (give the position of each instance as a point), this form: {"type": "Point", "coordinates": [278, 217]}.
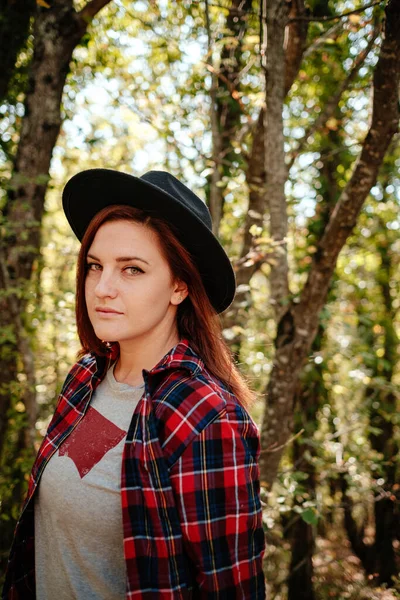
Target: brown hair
{"type": "Point", "coordinates": [197, 320]}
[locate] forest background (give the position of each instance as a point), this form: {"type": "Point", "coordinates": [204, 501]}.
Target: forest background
{"type": "Point", "coordinates": [283, 116]}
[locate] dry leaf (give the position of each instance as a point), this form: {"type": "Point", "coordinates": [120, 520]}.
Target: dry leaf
{"type": "Point", "coordinates": [332, 124]}
{"type": "Point", "coordinates": [354, 19]}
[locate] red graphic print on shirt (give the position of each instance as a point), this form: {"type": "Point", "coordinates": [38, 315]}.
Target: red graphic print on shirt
{"type": "Point", "coordinates": [90, 441]}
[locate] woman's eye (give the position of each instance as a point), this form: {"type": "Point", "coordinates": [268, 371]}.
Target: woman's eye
{"type": "Point", "coordinates": [89, 265]}
{"type": "Point", "coordinates": [134, 269]}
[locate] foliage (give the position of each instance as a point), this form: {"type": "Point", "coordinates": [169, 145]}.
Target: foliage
{"type": "Point", "coordinates": [138, 98]}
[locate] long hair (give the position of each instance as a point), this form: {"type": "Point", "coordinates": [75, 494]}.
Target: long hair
{"type": "Point", "coordinates": [197, 320]}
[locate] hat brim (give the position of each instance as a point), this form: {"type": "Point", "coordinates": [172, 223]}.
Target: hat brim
{"type": "Point", "coordinates": [90, 191]}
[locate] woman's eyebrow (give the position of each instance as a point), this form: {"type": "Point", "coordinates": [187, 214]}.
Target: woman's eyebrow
{"type": "Point", "coordinates": [120, 258]}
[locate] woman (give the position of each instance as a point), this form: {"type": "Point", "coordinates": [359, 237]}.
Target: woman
{"type": "Point", "coordinates": [151, 417]}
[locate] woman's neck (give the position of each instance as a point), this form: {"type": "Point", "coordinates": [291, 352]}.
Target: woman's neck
{"type": "Point", "coordinates": [144, 355]}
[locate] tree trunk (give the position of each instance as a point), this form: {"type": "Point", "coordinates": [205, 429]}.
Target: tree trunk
{"type": "Point", "coordinates": [385, 520]}
{"type": "Point", "coordinates": [251, 256]}
{"type": "Point", "coordinates": [300, 584]}
{"type": "Point", "coordinates": [385, 442]}
{"type": "Point", "coordinates": [255, 173]}
{"type": "Point", "coordinates": [226, 108]}
{"type": "Point", "coordinates": [214, 192]}
{"type": "Point", "coordinates": [309, 399]}
{"type": "Point", "coordinates": [312, 394]}
{"type": "Point", "coordinates": [57, 31]}
{"type": "Point", "coordinates": [275, 169]}
{"type": "Point", "coordinates": [301, 535]}
{"type": "Point", "coordinates": [378, 559]}
{"type": "Point", "coordinates": [298, 325]}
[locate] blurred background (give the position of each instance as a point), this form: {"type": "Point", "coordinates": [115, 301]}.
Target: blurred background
{"type": "Point", "coordinates": [282, 116]}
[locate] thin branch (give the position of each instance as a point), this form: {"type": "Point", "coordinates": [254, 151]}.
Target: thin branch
{"type": "Point", "coordinates": [321, 39]}
{"type": "Point", "coordinates": [240, 12]}
{"type": "Point", "coordinates": [289, 441]}
{"type": "Point", "coordinates": [245, 69]}
{"type": "Point", "coordinates": [338, 16]}
{"type": "Point", "coordinates": [91, 9]}
{"type": "Point", "coordinates": [333, 102]}
{"type": "Point", "coordinates": [229, 9]}
{"type": "Point", "coordinates": [137, 17]}
{"type": "Point", "coordinates": [232, 90]}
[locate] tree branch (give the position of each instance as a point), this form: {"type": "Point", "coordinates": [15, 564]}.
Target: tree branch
{"type": "Point", "coordinates": [333, 102]}
{"type": "Point", "coordinates": [289, 441]}
{"type": "Point", "coordinates": [321, 39]}
{"type": "Point", "coordinates": [302, 17]}
{"type": "Point", "coordinates": [384, 124]}
{"type": "Point", "coordinates": [337, 16]}
{"type": "Point", "coordinates": [91, 9]}
{"type": "Point", "coordinates": [296, 36]}
{"type": "Point", "coordinates": [230, 86]}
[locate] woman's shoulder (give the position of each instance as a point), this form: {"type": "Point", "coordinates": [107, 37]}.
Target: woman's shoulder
{"type": "Point", "coordinates": [217, 394]}
{"type": "Point", "coordinates": [84, 364]}
{"type": "Point", "coordinates": [81, 372]}
{"type": "Point", "coordinates": [189, 405]}
{"type": "Point", "coordinates": [192, 391]}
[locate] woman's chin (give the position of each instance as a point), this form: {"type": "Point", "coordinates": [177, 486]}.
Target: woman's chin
{"type": "Point", "coordinates": [106, 333]}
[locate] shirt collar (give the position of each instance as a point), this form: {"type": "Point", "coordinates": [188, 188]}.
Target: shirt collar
{"type": "Point", "coordinates": [181, 356]}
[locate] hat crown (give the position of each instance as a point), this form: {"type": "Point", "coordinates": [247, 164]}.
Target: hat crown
{"type": "Point", "coordinates": [178, 190]}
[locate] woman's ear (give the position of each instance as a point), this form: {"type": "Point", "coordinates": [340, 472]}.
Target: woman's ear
{"type": "Point", "coordinates": [180, 292]}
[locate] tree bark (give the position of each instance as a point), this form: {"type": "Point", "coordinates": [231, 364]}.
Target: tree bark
{"type": "Point", "coordinates": [57, 30]}
{"type": "Point", "coordinates": [275, 168]}
{"type": "Point", "coordinates": [300, 584]}
{"type": "Point", "coordinates": [215, 198]}
{"type": "Point", "coordinates": [251, 258]}
{"type": "Point", "coordinates": [301, 535]}
{"type": "Point", "coordinates": [296, 35]}
{"type": "Point", "coordinates": [298, 325]}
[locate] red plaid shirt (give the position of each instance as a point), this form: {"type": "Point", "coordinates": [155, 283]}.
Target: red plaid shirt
{"type": "Point", "coordinates": [190, 485]}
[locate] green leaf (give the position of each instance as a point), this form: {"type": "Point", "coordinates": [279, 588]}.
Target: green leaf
{"type": "Point", "coordinates": [309, 516]}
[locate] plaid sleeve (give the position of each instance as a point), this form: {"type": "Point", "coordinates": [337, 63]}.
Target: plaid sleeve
{"type": "Point", "coordinates": [216, 485]}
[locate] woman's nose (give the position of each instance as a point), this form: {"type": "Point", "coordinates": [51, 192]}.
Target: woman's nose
{"type": "Point", "coordinates": [105, 285]}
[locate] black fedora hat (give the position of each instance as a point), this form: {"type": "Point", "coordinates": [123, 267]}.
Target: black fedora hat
{"type": "Point", "coordinates": [88, 192]}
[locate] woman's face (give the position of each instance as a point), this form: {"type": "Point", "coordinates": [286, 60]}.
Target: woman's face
{"type": "Point", "coordinates": [127, 272]}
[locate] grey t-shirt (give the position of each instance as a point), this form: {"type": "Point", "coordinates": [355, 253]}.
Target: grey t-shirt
{"type": "Point", "coordinates": [78, 515]}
